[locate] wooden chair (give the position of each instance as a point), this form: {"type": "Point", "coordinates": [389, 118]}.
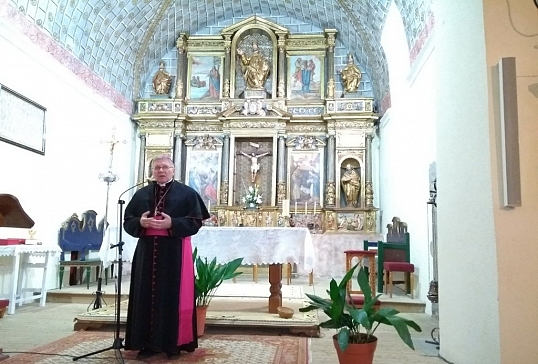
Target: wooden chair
{"type": "Point", "coordinates": [395, 249]}
{"type": "Point", "coordinates": [80, 238]}
{"type": "Point", "coordinates": [394, 256]}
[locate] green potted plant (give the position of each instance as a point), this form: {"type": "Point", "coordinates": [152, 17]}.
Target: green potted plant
{"type": "Point", "coordinates": [208, 277]}
{"type": "Point", "coordinates": [355, 341]}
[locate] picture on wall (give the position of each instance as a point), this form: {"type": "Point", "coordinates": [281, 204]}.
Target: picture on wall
{"type": "Point", "coordinates": [305, 76]}
{"type": "Point", "coordinates": [205, 77]}
{"type": "Point", "coordinates": [22, 121]}
{"type": "Point", "coordinates": [305, 178]}
{"type": "Point", "coordinates": [203, 174]}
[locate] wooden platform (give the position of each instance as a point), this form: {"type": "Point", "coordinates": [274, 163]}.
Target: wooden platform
{"type": "Point", "coordinates": [242, 305]}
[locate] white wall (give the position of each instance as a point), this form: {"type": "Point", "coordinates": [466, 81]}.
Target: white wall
{"type": "Point", "coordinates": [407, 146]}
{"type": "Point", "coordinates": [65, 180]}
{"type": "Point", "coordinates": [468, 277]}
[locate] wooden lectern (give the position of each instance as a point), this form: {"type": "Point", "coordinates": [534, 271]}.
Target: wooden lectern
{"type": "Point", "coordinates": [12, 215]}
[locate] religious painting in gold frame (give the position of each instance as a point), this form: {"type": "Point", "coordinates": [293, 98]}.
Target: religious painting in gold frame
{"type": "Point", "coordinates": [305, 179]}
{"type": "Point", "coordinates": [205, 76]}
{"type": "Point", "coordinates": [306, 75]}
{"type": "Point", "coordinates": [203, 174]}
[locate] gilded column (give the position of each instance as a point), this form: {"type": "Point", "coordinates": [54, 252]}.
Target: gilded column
{"type": "Point", "coordinates": [330, 186]}
{"type": "Point", "coordinates": [225, 166]}
{"type": "Point", "coordinates": [281, 87]}
{"type": "Point", "coordinates": [281, 170]}
{"type": "Point", "coordinates": [181, 45]}
{"type": "Point", "coordinates": [178, 154]}
{"type": "Point", "coordinates": [227, 65]}
{"type": "Point", "coordinates": [142, 158]}
{"type": "Point", "coordinates": [331, 42]}
{"type": "Point", "coordinates": [369, 191]}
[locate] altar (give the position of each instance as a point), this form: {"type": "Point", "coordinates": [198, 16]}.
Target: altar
{"type": "Point", "coordinates": [267, 245]}
{"type": "Point", "coordinates": [329, 250]}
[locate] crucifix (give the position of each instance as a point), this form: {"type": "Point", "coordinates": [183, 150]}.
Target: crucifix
{"type": "Point", "coordinates": [254, 164]}
{"type": "Point", "coordinates": [109, 177]}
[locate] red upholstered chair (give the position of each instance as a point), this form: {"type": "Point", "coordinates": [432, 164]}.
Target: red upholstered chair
{"type": "Point", "coordinates": [395, 257]}
{"type": "Point", "coordinates": [407, 268]}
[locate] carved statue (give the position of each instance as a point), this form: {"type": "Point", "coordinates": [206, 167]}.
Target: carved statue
{"type": "Point", "coordinates": [351, 75]}
{"type": "Point", "coordinates": [162, 80]}
{"type": "Point", "coordinates": [351, 186]}
{"type": "Point", "coordinates": [255, 68]}
{"type": "Point", "coordinates": [255, 166]}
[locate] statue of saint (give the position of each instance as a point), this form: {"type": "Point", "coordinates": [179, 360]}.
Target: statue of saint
{"type": "Point", "coordinates": [255, 68]}
{"type": "Point", "coordinates": [351, 186]}
{"type": "Point", "coordinates": [255, 166]}
{"type": "Point", "coordinates": [351, 75]}
{"type": "Point", "coordinates": [162, 80]}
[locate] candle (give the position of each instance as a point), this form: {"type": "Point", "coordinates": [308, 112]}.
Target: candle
{"type": "Point", "coordinates": [315, 203]}
{"type": "Point", "coordinates": [285, 207]}
{"type": "Point", "coordinates": [209, 206]}
{"type": "Point", "coordinates": [306, 208]}
{"type": "Point", "coordinates": [295, 207]}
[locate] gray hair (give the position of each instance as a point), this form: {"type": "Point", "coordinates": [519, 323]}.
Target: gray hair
{"type": "Point", "coordinates": [162, 157]}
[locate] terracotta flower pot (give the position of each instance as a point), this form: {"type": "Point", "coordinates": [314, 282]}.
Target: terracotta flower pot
{"type": "Point", "coordinates": [201, 312]}
{"type": "Point", "coordinates": [356, 353]}
{"type": "Point", "coordinates": [3, 307]}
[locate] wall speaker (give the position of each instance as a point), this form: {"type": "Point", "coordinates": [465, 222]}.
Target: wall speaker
{"type": "Point", "coordinates": [511, 177]}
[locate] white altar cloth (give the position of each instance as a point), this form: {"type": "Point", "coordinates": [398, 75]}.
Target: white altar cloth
{"type": "Point", "coordinates": [21, 253]}
{"type": "Point", "coordinates": [329, 249]}
{"type": "Point", "coordinates": [257, 245]}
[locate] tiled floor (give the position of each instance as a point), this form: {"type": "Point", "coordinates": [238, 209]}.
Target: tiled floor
{"type": "Point", "coordinates": [32, 326]}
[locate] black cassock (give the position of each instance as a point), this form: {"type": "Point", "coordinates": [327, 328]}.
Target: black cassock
{"type": "Point", "coordinates": [161, 313]}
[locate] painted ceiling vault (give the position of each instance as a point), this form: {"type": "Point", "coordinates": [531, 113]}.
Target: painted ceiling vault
{"type": "Point", "coordinates": [122, 40]}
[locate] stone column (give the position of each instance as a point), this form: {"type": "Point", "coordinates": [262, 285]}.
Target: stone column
{"type": "Point", "coordinates": [178, 156]}
{"type": "Point", "coordinates": [281, 86]}
{"type": "Point", "coordinates": [330, 185]}
{"type": "Point", "coordinates": [331, 42]}
{"type": "Point", "coordinates": [281, 170]}
{"type": "Point", "coordinates": [181, 45]}
{"type": "Point", "coordinates": [142, 158]}
{"type": "Point", "coordinates": [227, 65]}
{"type": "Point", "coordinates": [225, 167]}
{"type": "Point", "coordinates": [369, 191]}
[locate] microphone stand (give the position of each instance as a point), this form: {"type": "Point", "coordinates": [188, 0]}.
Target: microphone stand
{"type": "Point", "coordinates": [118, 341]}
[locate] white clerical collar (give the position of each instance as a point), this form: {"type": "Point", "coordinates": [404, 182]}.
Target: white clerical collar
{"type": "Point", "coordinates": [164, 184]}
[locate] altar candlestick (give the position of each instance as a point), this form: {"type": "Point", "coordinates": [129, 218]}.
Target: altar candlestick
{"type": "Point", "coordinates": [306, 208]}
{"type": "Point", "coordinates": [315, 203]}
{"type": "Point", "coordinates": [295, 207]}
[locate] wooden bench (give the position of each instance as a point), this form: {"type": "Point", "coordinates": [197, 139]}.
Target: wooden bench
{"type": "Point", "coordinates": [80, 237]}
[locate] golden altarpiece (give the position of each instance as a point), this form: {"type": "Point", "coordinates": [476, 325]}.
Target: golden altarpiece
{"type": "Point", "coordinates": [255, 107]}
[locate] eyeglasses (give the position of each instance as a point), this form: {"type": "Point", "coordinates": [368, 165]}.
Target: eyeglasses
{"type": "Point", "coordinates": [164, 168]}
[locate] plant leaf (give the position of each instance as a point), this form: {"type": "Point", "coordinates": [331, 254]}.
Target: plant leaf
{"type": "Point", "coordinates": [400, 324]}
{"type": "Point", "coordinates": [343, 338]}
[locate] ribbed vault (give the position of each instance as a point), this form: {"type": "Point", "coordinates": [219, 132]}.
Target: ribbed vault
{"type": "Point", "coordinates": [122, 40]}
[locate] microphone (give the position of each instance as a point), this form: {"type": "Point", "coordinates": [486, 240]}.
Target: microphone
{"type": "Point", "coordinates": [147, 180]}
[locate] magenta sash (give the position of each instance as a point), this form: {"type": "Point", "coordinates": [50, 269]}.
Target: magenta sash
{"type": "Point", "coordinates": [186, 295]}
{"type": "Point", "coordinates": [155, 232]}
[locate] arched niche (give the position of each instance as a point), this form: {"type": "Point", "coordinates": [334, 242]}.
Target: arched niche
{"type": "Point", "coordinates": [350, 182]}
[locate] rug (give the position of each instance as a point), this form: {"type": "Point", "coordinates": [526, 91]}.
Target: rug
{"type": "Point", "coordinates": [213, 348]}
